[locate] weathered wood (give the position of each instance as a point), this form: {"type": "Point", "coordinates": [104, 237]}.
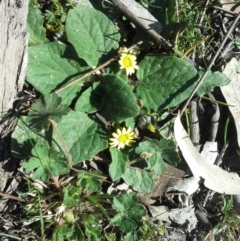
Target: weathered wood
{"type": "Point", "coordinates": [13, 63]}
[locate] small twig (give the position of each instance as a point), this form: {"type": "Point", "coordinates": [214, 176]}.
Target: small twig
{"type": "Point", "coordinates": [214, 120]}
{"type": "Point", "coordinates": [225, 10]}
{"type": "Point", "coordinates": [221, 154]}
{"type": "Point", "coordinates": [194, 123]}
{"type": "Point", "coordinates": [79, 79]}
{"type": "Point", "coordinates": [211, 64]}
{"type": "Point", "coordinates": [56, 182]}
{"type": "Point", "coordinates": [12, 197]}
{"type": "Point", "coordinates": [204, 11]}
{"type": "Point", "coordinates": [8, 196]}
{"type": "Point", "coordinates": [134, 161]}
{"type": "Point", "coordinates": [177, 12]}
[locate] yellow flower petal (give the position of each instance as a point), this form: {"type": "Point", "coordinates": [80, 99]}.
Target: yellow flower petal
{"type": "Point", "coordinates": [123, 137]}
{"type": "Point", "coordinates": [128, 61]}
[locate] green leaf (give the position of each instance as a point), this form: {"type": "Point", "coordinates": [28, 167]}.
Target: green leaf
{"type": "Point", "coordinates": [130, 212]}
{"type": "Point", "coordinates": [90, 101]}
{"type": "Point", "coordinates": [212, 80]}
{"type": "Point", "coordinates": [140, 180]}
{"type": "Point", "coordinates": [155, 152]}
{"type": "Point", "coordinates": [91, 33]}
{"type": "Point", "coordinates": [92, 226]}
{"type": "Point", "coordinates": [53, 64]}
{"type": "Point", "coordinates": [60, 232]}
{"type": "Point", "coordinates": [238, 43]}
{"type": "Point", "coordinates": [24, 139]}
{"type": "Point", "coordinates": [120, 102]}
{"type": "Point", "coordinates": [35, 24]}
{"type": "Point", "coordinates": [45, 162]}
{"type": "Point", "coordinates": [48, 107]}
{"type": "Point", "coordinates": [63, 232]}
{"type": "Point", "coordinates": [72, 196]}
{"type": "Point", "coordinates": [84, 137]}
{"type": "Point", "coordinates": [165, 130]}
{"type": "Point", "coordinates": [164, 81]}
{"type": "Point", "coordinates": [90, 181]}
{"type": "Point", "coordinates": [118, 164]}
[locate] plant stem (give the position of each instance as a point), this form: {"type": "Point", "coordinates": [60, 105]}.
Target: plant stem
{"type": "Point", "coordinates": [63, 142]}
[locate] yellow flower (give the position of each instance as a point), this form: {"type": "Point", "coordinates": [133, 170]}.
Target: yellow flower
{"type": "Point", "coordinates": [151, 127]}
{"type": "Point", "coordinates": [122, 138]}
{"type": "Point", "coordinates": [128, 61]}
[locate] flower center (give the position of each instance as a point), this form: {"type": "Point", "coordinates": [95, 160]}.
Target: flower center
{"type": "Point", "coordinates": [127, 61]}
{"type": "Point", "coordinates": [124, 138]}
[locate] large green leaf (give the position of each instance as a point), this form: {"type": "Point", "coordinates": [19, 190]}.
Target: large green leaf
{"type": "Point", "coordinates": [120, 102]}
{"type": "Point", "coordinates": [140, 180]}
{"type": "Point", "coordinates": [45, 162]}
{"type": "Point", "coordinates": [53, 64]}
{"type": "Point", "coordinates": [35, 24]}
{"type": "Point", "coordinates": [164, 81]}
{"type": "Point", "coordinates": [92, 34]}
{"type": "Point", "coordinates": [118, 164]}
{"type": "Point", "coordinates": [84, 137]}
{"type": "Point", "coordinates": [155, 152]}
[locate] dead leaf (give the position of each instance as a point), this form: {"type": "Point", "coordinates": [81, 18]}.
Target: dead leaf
{"type": "Point", "coordinates": [184, 216]}
{"type": "Point", "coordinates": [188, 185]}
{"type": "Point", "coordinates": [210, 152]}
{"type": "Point", "coordinates": [167, 179]}
{"type": "Point", "coordinates": [214, 177]}
{"type": "Point", "coordinates": [230, 5]}
{"type": "Point", "coordinates": [231, 93]}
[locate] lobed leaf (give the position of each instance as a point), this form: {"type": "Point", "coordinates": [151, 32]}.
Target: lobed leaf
{"type": "Point", "coordinates": [45, 162]}
{"type": "Point", "coordinates": [71, 196]}
{"type": "Point", "coordinates": [48, 107]}
{"type": "Point", "coordinates": [130, 212]}
{"type": "Point", "coordinates": [140, 180]}
{"type": "Point", "coordinates": [92, 227]}
{"type": "Point", "coordinates": [155, 152]}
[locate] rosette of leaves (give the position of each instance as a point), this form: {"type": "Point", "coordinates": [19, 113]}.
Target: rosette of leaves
{"type": "Point", "coordinates": [129, 211]}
